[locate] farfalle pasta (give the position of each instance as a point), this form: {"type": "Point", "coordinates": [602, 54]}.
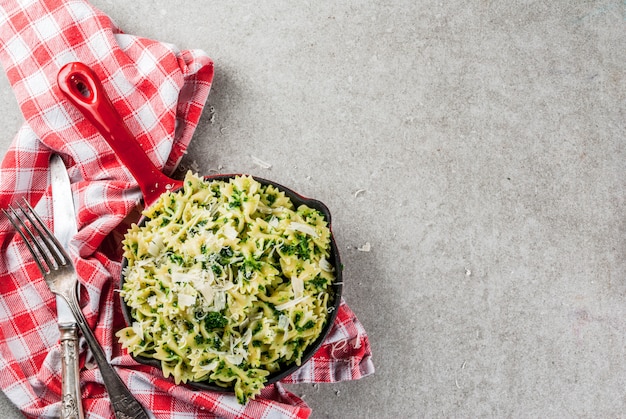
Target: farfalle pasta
{"type": "Point", "coordinates": [227, 282]}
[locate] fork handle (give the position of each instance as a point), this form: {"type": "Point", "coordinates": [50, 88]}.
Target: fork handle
{"type": "Point", "coordinates": [71, 407]}
{"type": "Point", "coordinates": [125, 405]}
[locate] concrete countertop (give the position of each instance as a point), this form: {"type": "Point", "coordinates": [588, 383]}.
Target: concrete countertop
{"type": "Point", "coordinates": [478, 147]}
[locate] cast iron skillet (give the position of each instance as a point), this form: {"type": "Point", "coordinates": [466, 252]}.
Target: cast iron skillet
{"type": "Point", "coordinates": [84, 90]}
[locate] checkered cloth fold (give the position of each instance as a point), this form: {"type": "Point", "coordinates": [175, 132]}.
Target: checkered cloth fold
{"type": "Point", "coordinates": [160, 92]}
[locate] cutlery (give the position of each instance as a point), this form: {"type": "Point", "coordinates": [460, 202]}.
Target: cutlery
{"type": "Point", "coordinates": [64, 229]}
{"type": "Point", "coordinates": [58, 271]}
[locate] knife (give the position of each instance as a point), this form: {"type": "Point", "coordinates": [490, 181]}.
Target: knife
{"type": "Point", "coordinates": [64, 229]}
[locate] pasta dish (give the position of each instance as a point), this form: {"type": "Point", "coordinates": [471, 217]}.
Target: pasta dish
{"type": "Point", "coordinates": [226, 282]}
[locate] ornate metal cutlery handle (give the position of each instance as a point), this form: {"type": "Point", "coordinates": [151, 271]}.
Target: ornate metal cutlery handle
{"type": "Point", "coordinates": [71, 407]}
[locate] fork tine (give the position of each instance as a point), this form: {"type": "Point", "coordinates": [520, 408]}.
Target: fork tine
{"type": "Point", "coordinates": [19, 226]}
{"type": "Point", "coordinates": [34, 233]}
{"type": "Point", "coordinates": [47, 238]}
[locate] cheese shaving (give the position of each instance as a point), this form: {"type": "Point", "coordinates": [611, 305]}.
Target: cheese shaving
{"type": "Point", "coordinates": [297, 286]}
{"type": "Point", "coordinates": [292, 303]}
{"type": "Point", "coordinates": [303, 228]}
{"type": "Point", "coordinates": [365, 248]}
{"type": "Point", "coordinates": [261, 163]}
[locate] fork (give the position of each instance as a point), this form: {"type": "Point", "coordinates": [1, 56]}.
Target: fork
{"type": "Point", "coordinates": [58, 271]}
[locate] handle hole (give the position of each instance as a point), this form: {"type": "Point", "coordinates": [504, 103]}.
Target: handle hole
{"type": "Point", "coordinates": [82, 88]}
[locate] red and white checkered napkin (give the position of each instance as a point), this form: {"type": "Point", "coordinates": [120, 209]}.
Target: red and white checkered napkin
{"type": "Point", "coordinates": [160, 91]}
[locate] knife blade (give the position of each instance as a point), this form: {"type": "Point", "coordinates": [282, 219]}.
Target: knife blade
{"type": "Point", "coordinates": [64, 229]}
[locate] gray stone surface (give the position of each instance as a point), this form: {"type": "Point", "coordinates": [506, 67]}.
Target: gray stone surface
{"type": "Point", "coordinates": [487, 140]}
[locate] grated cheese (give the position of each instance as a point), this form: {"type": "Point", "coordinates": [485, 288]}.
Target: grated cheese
{"type": "Point", "coordinates": [292, 303]}
{"type": "Point", "coordinates": [303, 228]}
{"type": "Point", "coordinates": [365, 248]}
{"type": "Point", "coordinates": [261, 163]}
{"type": "Point", "coordinates": [325, 265]}
{"type": "Point", "coordinates": [297, 286]}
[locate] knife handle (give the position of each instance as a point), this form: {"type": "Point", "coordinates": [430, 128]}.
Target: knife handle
{"type": "Point", "coordinates": [71, 406]}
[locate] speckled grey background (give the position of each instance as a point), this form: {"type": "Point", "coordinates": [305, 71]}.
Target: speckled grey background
{"type": "Point", "coordinates": [485, 140]}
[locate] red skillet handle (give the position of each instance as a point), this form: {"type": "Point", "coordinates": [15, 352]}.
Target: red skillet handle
{"type": "Point", "coordinates": [83, 89]}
